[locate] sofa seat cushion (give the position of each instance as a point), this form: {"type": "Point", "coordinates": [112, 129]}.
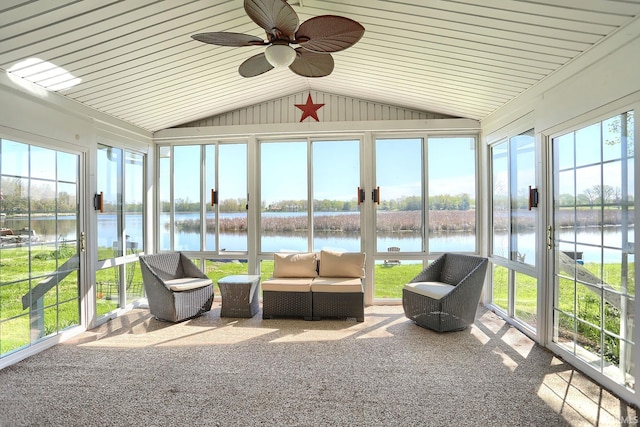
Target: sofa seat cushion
{"type": "Point", "coordinates": [341, 264]}
{"type": "Point", "coordinates": [434, 290]}
{"type": "Point", "coordinates": [295, 265]}
{"type": "Point", "coordinates": [336, 284]}
{"type": "Point", "coordinates": [186, 283]}
{"type": "Point", "coordinates": [287, 284]}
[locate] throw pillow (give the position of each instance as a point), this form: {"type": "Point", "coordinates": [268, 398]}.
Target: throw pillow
{"type": "Point", "coordinates": [295, 265]}
{"type": "Point", "coordinates": [341, 264]}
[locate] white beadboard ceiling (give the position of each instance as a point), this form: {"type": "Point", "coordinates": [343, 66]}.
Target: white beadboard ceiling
{"type": "Point", "coordinates": [464, 58]}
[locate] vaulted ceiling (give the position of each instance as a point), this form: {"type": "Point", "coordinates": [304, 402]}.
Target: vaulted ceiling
{"type": "Point", "coordinates": [137, 61]}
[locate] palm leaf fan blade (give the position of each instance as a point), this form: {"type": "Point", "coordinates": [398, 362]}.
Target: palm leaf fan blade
{"type": "Point", "coordinates": [273, 15]}
{"type": "Point", "coordinates": [311, 64]}
{"type": "Point", "coordinates": [329, 33]}
{"type": "Point", "coordinates": [228, 39]}
{"type": "Point", "coordinates": [255, 66]}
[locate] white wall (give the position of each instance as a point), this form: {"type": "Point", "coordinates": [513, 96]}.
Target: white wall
{"type": "Point", "coordinates": [336, 108]}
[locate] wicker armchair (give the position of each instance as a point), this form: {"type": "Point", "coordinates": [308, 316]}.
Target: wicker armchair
{"type": "Point", "coordinates": [176, 288]}
{"type": "Point", "coordinates": [445, 295]}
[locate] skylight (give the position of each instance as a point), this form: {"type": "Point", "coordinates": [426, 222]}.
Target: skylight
{"type": "Point", "coordinates": [44, 73]}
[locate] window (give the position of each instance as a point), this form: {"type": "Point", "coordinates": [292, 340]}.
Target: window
{"type": "Point", "coordinates": [308, 195]}
{"type": "Point", "coordinates": [194, 217]}
{"type": "Point", "coordinates": [284, 218]}
{"type": "Point", "coordinates": [408, 172]}
{"type": "Point", "coordinates": [294, 195]}
{"type": "Point", "coordinates": [452, 194]}
{"type": "Point", "coordinates": [209, 218]}
{"type": "Point", "coordinates": [400, 190]}
{"type": "Point", "coordinates": [336, 211]}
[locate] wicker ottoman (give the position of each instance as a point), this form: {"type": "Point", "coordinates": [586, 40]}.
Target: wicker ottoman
{"type": "Point", "coordinates": [239, 295]}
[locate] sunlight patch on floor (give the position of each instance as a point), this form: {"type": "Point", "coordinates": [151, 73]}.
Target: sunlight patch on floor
{"type": "Point", "coordinates": [315, 335]}
{"type": "Point", "coordinates": [518, 341]}
{"type": "Point", "coordinates": [506, 360]}
{"type": "Point", "coordinates": [582, 402]}
{"type": "Point", "coordinates": [183, 334]}
{"type": "Point", "coordinates": [479, 335]}
{"type": "Point", "coordinates": [491, 321]}
{"type": "Point", "coordinates": [379, 328]}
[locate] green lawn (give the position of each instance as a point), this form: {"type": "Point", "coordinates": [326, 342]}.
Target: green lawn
{"type": "Point", "coordinates": [59, 308]}
{"type": "Point", "coordinates": [60, 303]}
{"type": "Point", "coordinates": [391, 278]}
{"type": "Point", "coordinates": [588, 310]}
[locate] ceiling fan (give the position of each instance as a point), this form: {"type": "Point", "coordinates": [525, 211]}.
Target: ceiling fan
{"type": "Point", "coordinates": [317, 38]}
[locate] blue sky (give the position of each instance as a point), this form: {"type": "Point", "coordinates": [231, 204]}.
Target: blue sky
{"type": "Point", "coordinates": [336, 169]}
{"type": "Point", "coordinates": [589, 153]}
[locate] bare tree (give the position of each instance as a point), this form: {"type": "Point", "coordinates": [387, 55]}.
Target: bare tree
{"type": "Point", "coordinates": [592, 194]}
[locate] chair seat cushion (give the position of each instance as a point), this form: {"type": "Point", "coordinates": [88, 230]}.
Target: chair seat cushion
{"type": "Point", "coordinates": [336, 284]}
{"type": "Point", "coordinates": [288, 284]}
{"type": "Point", "coordinates": [434, 290]}
{"type": "Point", "coordinates": [186, 283]}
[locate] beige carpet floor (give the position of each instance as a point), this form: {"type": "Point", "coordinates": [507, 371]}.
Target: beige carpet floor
{"type": "Point", "coordinates": [385, 371]}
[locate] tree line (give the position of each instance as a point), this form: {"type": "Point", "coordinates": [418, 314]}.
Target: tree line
{"type": "Point", "coordinates": [460, 202]}
{"type": "Point", "coordinates": [43, 199]}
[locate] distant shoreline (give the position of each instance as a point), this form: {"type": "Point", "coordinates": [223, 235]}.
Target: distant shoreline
{"type": "Point", "coordinates": [441, 221]}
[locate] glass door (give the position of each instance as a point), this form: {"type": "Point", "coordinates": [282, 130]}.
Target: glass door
{"type": "Point", "coordinates": [399, 214]}
{"type": "Point", "coordinates": [119, 207]}
{"type": "Point", "coordinates": [187, 190]}
{"type": "Point", "coordinates": [336, 208]}
{"type": "Point", "coordinates": [284, 193]}
{"type": "Point", "coordinates": [41, 244]}
{"type": "Point", "coordinates": [514, 233]}
{"type": "Point", "coordinates": [593, 246]}
{"type": "Point", "coordinates": [452, 186]}
{"type": "Point", "coordinates": [233, 198]}
{"type": "Point", "coordinates": [399, 195]}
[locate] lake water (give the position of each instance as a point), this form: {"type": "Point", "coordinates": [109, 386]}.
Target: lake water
{"type": "Point", "coordinates": [64, 229]}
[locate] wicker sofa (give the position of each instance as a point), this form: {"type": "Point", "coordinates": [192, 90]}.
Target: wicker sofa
{"type": "Point", "coordinates": [315, 286]}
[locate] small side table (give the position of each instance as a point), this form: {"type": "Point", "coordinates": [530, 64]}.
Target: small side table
{"type": "Point", "coordinates": [239, 295]}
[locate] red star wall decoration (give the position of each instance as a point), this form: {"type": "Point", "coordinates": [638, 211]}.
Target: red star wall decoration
{"type": "Point", "coordinates": [309, 109]}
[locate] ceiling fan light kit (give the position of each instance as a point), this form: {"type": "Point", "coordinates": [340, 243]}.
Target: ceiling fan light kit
{"type": "Point", "coordinates": [280, 55]}
{"type": "Point", "coordinates": [317, 37]}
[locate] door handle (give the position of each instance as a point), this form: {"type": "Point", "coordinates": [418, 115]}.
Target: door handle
{"type": "Point", "coordinates": [533, 197]}
{"type": "Point", "coordinates": [375, 195]}
{"type": "Point", "coordinates": [360, 195]}
{"type": "Point", "coordinates": [214, 197]}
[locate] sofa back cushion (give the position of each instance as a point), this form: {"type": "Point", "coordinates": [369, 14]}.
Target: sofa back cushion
{"type": "Point", "coordinates": [295, 265]}
{"type": "Point", "coordinates": [341, 264]}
